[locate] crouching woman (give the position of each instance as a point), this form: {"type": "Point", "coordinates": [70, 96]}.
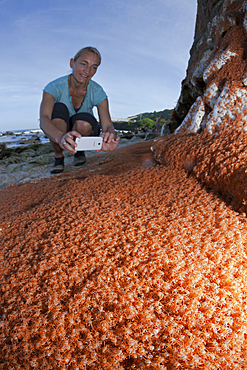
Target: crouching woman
{"type": "Point", "coordinates": [66, 110]}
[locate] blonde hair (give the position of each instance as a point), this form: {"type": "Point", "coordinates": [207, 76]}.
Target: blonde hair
{"type": "Point", "coordinates": [88, 49]}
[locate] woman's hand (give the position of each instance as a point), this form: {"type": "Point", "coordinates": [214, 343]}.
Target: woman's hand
{"type": "Point", "coordinates": [67, 141]}
{"type": "Point", "coordinates": [110, 142]}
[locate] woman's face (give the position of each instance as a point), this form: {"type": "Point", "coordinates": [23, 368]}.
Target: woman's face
{"type": "Point", "coordinates": [85, 67]}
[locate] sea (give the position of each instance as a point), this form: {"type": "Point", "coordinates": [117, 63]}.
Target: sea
{"type": "Point", "coordinates": [17, 138]}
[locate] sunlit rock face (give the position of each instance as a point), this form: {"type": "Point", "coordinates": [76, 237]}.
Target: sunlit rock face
{"type": "Point", "coordinates": [214, 92]}
{"type": "Point", "coordinates": [209, 122]}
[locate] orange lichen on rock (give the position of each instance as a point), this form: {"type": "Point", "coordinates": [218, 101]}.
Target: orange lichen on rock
{"type": "Point", "coordinates": [128, 266]}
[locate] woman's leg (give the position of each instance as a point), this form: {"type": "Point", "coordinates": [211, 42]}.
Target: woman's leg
{"type": "Point", "coordinates": [85, 123]}
{"type": "Point", "coordinates": [62, 125]}
{"type": "Point", "coordinates": [60, 118]}
{"type": "Point", "coordinates": [84, 128]}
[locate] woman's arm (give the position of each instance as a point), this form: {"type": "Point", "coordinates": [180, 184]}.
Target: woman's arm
{"type": "Point", "coordinates": [54, 133]}
{"type": "Point", "coordinates": [46, 124]}
{"type": "Point", "coordinates": [110, 141]}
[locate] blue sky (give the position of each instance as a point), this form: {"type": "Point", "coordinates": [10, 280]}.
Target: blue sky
{"type": "Point", "coordinates": [144, 45]}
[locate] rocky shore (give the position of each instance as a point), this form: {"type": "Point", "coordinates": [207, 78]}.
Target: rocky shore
{"type": "Point", "coordinates": [34, 160]}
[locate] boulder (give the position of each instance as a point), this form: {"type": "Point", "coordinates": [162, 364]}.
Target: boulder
{"type": "Point", "coordinates": [135, 139]}
{"type": "Point", "coordinates": [22, 148]}
{"type": "Point", "coordinates": [151, 135]}
{"type": "Point", "coordinates": [38, 161]}
{"type": "Point", "coordinates": [20, 157]}
{"type": "Point", "coordinates": [5, 152]}
{"type": "Point", "coordinates": [165, 130]}
{"type": "Point", "coordinates": [123, 142]}
{"type": "Point", "coordinates": [13, 167]}
{"type": "Point", "coordinates": [2, 147]}
{"type": "Point", "coordinates": [13, 159]}
{"type": "Point", "coordinates": [44, 149]}
{"type": "Point", "coordinates": [27, 153]}
{"type": "Point", "coordinates": [140, 135]}
{"type": "Point", "coordinates": [127, 135]}
{"type": "Point", "coordinates": [30, 141]}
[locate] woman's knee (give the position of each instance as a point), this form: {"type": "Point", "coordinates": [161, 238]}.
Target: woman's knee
{"type": "Point", "coordinates": [85, 123]}
{"type": "Point", "coordinates": [60, 116]}
{"type": "Point", "coordinates": [83, 127]}
{"type": "Point", "coordinates": [61, 124]}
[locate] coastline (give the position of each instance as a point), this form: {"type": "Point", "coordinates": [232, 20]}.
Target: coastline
{"type": "Point", "coordinates": [35, 166]}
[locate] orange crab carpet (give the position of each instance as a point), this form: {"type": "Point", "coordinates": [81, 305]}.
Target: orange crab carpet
{"type": "Point", "coordinates": [128, 263]}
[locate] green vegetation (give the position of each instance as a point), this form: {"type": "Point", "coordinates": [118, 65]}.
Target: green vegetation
{"type": "Point", "coordinates": [147, 122]}
{"type": "Point", "coordinates": [154, 115]}
{"type": "Point", "coordinates": [144, 121]}
{"type": "Point", "coordinates": [148, 119]}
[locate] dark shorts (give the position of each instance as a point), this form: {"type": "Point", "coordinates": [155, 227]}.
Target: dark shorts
{"type": "Point", "coordinates": [61, 111]}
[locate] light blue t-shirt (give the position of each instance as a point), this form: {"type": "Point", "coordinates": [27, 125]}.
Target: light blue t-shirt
{"type": "Point", "coordinates": [59, 89]}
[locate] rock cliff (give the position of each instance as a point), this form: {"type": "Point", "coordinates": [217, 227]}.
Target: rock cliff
{"type": "Point", "coordinates": [214, 90]}
{"type": "Point", "coordinates": [208, 124]}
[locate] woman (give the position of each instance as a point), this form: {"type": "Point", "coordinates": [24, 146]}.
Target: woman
{"type": "Point", "coordinates": [66, 110]}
